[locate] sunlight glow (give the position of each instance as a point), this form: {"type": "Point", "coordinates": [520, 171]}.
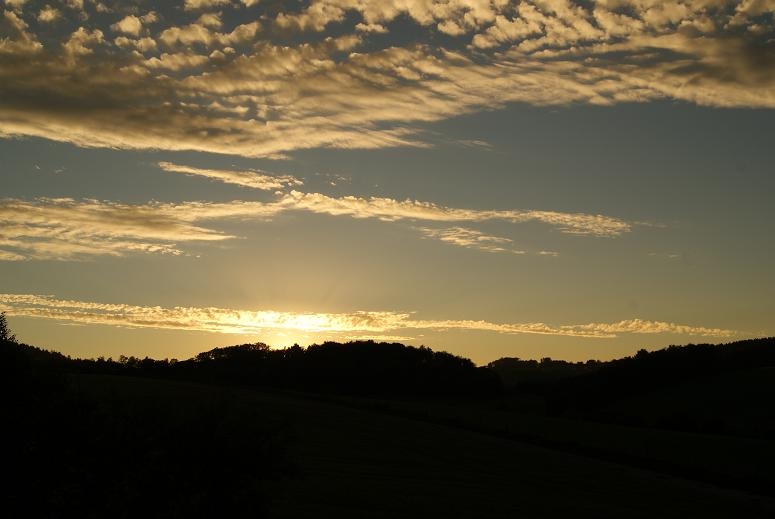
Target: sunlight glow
{"type": "Point", "coordinates": [353, 324]}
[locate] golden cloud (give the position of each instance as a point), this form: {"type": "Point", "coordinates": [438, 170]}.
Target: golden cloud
{"type": "Point", "coordinates": [66, 229]}
{"type": "Point", "coordinates": [231, 321]}
{"type": "Point", "coordinates": [194, 83]}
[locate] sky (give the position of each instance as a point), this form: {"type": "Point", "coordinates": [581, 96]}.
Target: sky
{"type": "Point", "coordinates": [493, 178]}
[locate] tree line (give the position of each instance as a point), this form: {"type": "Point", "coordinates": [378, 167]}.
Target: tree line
{"type": "Point", "coordinates": [598, 390]}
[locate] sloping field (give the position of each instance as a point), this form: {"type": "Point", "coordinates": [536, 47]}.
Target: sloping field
{"type": "Point", "coordinates": [360, 463]}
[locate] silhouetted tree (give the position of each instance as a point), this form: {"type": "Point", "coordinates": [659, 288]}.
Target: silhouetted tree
{"type": "Point", "coordinates": [5, 331]}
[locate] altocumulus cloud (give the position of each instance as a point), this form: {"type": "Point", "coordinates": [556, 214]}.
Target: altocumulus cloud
{"type": "Point", "coordinates": [350, 325]}
{"type": "Point", "coordinates": [267, 78]}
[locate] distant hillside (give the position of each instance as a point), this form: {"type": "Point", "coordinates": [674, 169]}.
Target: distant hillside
{"type": "Point", "coordinates": [664, 366]}
{"type": "Point", "coordinates": [516, 372]}
{"type": "Point", "coordinates": [724, 388]}
{"type": "Point", "coordinates": [650, 371]}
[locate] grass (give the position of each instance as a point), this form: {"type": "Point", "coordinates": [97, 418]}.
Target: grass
{"type": "Point", "coordinates": [358, 462]}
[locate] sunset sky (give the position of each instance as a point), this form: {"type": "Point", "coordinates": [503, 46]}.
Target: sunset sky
{"type": "Point", "coordinates": [572, 179]}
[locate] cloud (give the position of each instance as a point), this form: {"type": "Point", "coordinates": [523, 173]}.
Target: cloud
{"type": "Point", "coordinates": [130, 24]}
{"type": "Point", "coordinates": [388, 209]}
{"type": "Point", "coordinates": [15, 39]}
{"type": "Point", "coordinates": [82, 42]}
{"type": "Point", "coordinates": [203, 4]}
{"type": "Point", "coordinates": [11, 256]}
{"type": "Point", "coordinates": [141, 44]}
{"type": "Point", "coordinates": [15, 4]}
{"type": "Point", "coordinates": [371, 27]}
{"type": "Point", "coordinates": [450, 16]}
{"type": "Point", "coordinates": [72, 4]}
{"type": "Point", "coordinates": [200, 33]}
{"type": "Point", "coordinates": [339, 87]}
{"type": "Point", "coordinates": [652, 327]}
{"type": "Point", "coordinates": [176, 61]}
{"type": "Point", "coordinates": [231, 321]}
{"type": "Point", "coordinates": [67, 229]}
{"type": "Point", "coordinates": [49, 14]}
{"type": "Point", "coordinates": [251, 179]}
{"type": "Point", "coordinates": [470, 239]}
{"type": "Point", "coordinates": [477, 240]}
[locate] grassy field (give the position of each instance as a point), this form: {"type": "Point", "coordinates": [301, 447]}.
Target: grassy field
{"type": "Point", "coordinates": [737, 462]}
{"type": "Point", "coordinates": [357, 462]}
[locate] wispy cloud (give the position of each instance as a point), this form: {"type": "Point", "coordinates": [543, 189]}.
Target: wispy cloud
{"type": "Point", "coordinates": [470, 239]}
{"type": "Point", "coordinates": [65, 229]}
{"type": "Point", "coordinates": [389, 209]}
{"type": "Point", "coordinates": [245, 178]}
{"type": "Point", "coordinates": [360, 323]}
{"type": "Point", "coordinates": [245, 88]}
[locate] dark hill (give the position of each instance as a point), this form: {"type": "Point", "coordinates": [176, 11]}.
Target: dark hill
{"type": "Point", "coordinates": [724, 388]}
{"type": "Point", "coordinates": [648, 372]}
{"type": "Point", "coordinates": [69, 416]}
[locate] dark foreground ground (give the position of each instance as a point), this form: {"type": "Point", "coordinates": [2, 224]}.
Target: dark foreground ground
{"type": "Point", "coordinates": [354, 459]}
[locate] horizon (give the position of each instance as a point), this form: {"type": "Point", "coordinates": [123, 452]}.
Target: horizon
{"type": "Point", "coordinates": [354, 341]}
{"type": "Point", "coordinates": [548, 178]}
